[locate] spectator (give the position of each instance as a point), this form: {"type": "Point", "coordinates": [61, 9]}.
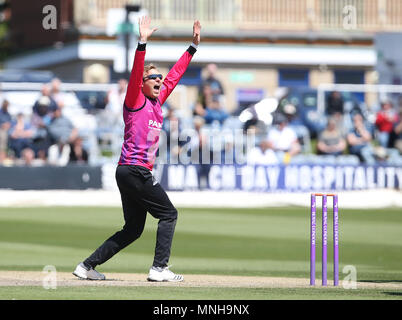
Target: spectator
{"type": "Point", "coordinates": [28, 159]}
{"type": "Point", "coordinates": [210, 89]}
{"type": "Point", "coordinates": [61, 129]}
{"type": "Point", "coordinates": [110, 119]}
{"type": "Point", "coordinates": [331, 141]}
{"type": "Point", "coordinates": [20, 136]}
{"type": "Point", "coordinates": [336, 109]}
{"type": "Point", "coordinates": [335, 104]}
{"type": "Point", "coordinates": [42, 113]}
{"type": "Point", "coordinates": [204, 99]}
{"type": "Point", "coordinates": [45, 105]}
{"type": "Point", "coordinates": [295, 122]}
{"type": "Point", "coordinates": [385, 121]}
{"type": "Point", "coordinates": [212, 81]}
{"type": "Point", "coordinates": [359, 139]}
{"type": "Point", "coordinates": [283, 139]}
{"type": "Point", "coordinates": [56, 93]}
{"type": "Point", "coordinates": [171, 126]}
{"type": "Point", "coordinates": [397, 133]}
{"type": "Point", "coordinates": [115, 100]}
{"type": "Point", "coordinates": [78, 154]}
{"type": "Point", "coordinates": [62, 132]}
{"type": "Point", "coordinates": [5, 125]}
{"type": "Point", "coordinates": [290, 112]}
{"type": "Point", "coordinates": [214, 113]}
{"type": "Point", "coordinates": [262, 154]}
{"type": "Point", "coordinates": [201, 152]}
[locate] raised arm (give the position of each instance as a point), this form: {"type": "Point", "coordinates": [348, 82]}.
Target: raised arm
{"type": "Point", "coordinates": [134, 95]}
{"type": "Point", "coordinates": [174, 75]}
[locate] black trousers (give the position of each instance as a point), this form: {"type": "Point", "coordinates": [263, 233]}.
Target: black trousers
{"type": "Point", "coordinates": [140, 194]}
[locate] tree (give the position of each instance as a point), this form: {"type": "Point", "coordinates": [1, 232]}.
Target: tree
{"type": "Point", "coordinates": [5, 44]}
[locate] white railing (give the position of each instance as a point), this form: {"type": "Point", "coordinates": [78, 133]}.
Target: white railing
{"type": "Point", "coordinates": [339, 15]}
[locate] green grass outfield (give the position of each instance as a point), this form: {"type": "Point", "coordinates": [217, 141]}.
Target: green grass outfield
{"type": "Point", "coordinates": [268, 242]}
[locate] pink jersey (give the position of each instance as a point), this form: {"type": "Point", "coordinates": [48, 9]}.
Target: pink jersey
{"type": "Point", "coordinates": [142, 115]}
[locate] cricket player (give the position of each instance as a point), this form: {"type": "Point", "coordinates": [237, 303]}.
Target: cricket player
{"type": "Point", "coordinates": [140, 193]}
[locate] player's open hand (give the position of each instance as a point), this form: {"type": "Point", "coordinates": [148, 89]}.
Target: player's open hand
{"type": "Point", "coordinates": [196, 32]}
{"type": "Point", "coordinates": [145, 28]}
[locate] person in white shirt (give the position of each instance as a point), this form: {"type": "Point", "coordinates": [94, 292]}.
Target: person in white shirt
{"type": "Point", "coordinates": [283, 139]}
{"type": "Point", "coordinates": [262, 154]}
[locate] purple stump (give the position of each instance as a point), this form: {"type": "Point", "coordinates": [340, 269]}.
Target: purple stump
{"type": "Point", "coordinates": [312, 239]}
{"type": "Point", "coordinates": [324, 239]}
{"type": "Point", "coordinates": [336, 241]}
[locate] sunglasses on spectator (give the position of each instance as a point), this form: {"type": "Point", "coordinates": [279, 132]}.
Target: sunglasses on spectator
{"type": "Point", "coordinates": [153, 76]}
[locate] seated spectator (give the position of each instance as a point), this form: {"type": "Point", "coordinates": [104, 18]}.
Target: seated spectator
{"type": "Point", "coordinates": [204, 99]}
{"type": "Point", "coordinates": [359, 140]}
{"type": "Point", "coordinates": [290, 112]}
{"type": "Point", "coordinates": [215, 113]}
{"type": "Point", "coordinates": [78, 154]}
{"type": "Point", "coordinates": [28, 159]}
{"type": "Point", "coordinates": [213, 82]}
{"type": "Point", "coordinates": [45, 105]}
{"type": "Point", "coordinates": [61, 129]}
{"type": "Point", "coordinates": [56, 93]}
{"type": "Point", "coordinates": [5, 125]}
{"type": "Point", "coordinates": [397, 133]}
{"type": "Point", "coordinates": [331, 141]}
{"type": "Point", "coordinates": [283, 139]}
{"type": "Point", "coordinates": [385, 120]}
{"type": "Point", "coordinates": [62, 132]}
{"type": "Point", "coordinates": [262, 154]}
{"type": "Point", "coordinates": [20, 135]}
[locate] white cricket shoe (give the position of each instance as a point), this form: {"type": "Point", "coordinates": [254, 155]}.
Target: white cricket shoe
{"type": "Point", "coordinates": [163, 274]}
{"type": "Point", "coordinates": [82, 272]}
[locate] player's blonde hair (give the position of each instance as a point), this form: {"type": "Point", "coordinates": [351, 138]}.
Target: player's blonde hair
{"type": "Point", "coordinates": [147, 68]}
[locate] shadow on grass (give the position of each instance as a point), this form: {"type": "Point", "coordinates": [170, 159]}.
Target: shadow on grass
{"type": "Point", "coordinates": [381, 281]}
{"type": "Point", "coordinates": [393, 293]}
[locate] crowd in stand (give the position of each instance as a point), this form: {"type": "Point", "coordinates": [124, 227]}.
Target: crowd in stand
{"type": "Point", "coordinates": [47, 136]}
{"type": "Point", "coordinates": [348, 134]}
